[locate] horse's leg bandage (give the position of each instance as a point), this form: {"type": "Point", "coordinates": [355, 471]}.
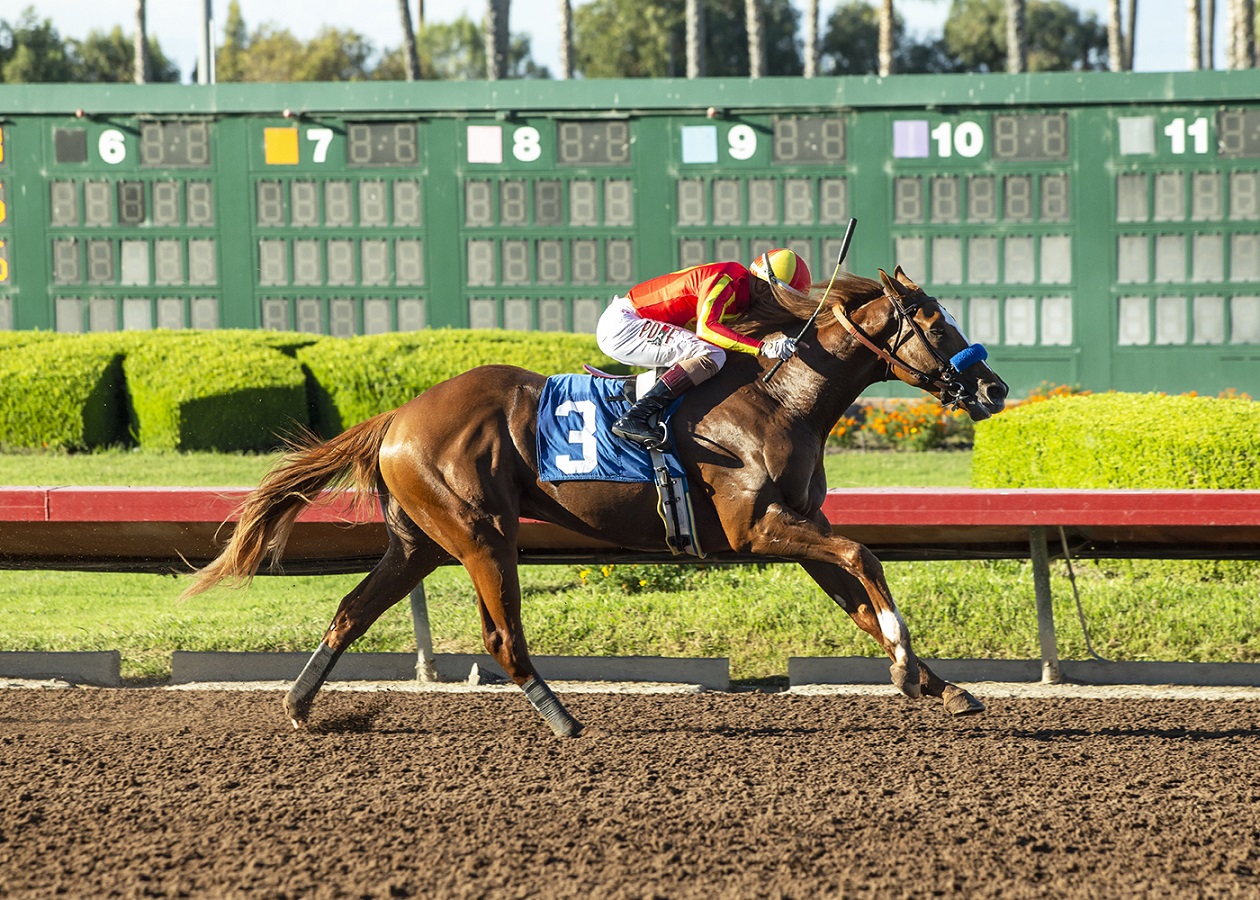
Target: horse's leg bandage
{"type": "Point", "coordinates": [543, 700]}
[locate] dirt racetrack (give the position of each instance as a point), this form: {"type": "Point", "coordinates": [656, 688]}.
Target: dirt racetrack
{"type": "Point", "coordinates": [152, 792]}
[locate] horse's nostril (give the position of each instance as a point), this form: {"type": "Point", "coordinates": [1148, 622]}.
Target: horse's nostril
{"type": "Point", "coordinates": [993, 395]}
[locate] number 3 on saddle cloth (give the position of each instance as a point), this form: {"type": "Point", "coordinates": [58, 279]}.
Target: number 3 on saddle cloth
{"type": "Point", "coordinates": [575, 443]}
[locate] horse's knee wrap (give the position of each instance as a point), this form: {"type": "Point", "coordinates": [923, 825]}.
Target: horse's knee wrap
{"type": "Point", "coordinates": [543, 700]}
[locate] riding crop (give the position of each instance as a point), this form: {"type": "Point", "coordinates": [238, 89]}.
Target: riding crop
{"type": "Point", "coordinates": [775, 282]}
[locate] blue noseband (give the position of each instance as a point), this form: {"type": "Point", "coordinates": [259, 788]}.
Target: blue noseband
{"type": "Point", "coordinates": [965, 359]}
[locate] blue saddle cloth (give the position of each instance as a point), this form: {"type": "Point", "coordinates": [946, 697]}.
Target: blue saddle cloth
{"type": "Point", "coordinates": [575, 443]}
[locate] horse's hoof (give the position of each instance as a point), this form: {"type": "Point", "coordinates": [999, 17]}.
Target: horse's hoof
{"type": "Point", "coordinates": [905, 681]}
{"type": "Point", "coordinates": [297, 712]}
{"type": "Point", "coordinates": [570, 729]}
{"type": "Point", "coordinates": [960, 703]}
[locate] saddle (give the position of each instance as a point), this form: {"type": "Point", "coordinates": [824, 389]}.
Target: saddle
{"type": "Point", "coordinates": [674, 504]}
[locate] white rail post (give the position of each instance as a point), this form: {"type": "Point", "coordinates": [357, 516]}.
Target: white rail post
{"type": "Point", "coordinates": [1040, 555]}
{"type": "Point", "coordinates": [426, 666]}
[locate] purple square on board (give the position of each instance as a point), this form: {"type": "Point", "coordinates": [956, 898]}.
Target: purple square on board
{"type": "Point", "coordinates": [910, 139]}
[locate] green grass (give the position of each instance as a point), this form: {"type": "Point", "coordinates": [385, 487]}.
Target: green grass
{"type": "Point", "coordinates": [847, 468]}
{"type": "Point", "coordinates": [756, 616]}
{"type": "Point", "coordinates": [123, 468]}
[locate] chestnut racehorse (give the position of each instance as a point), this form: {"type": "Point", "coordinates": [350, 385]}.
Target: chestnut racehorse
{"type": "Point", "coordinates": [455, 470]}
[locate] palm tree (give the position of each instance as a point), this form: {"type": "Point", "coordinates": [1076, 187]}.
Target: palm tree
{"type": "Point", "coordinates": [811, 39]}
{"type": "Point", "coordinates": [566, 40]}
{"type": "Point", "coordinates": [410, 55]}
{"type": "Point", "coordinates": [496, 38]}
{"type": "Point", "coordinates": [1245, 29]}
{"type": "Point", "coordinates": [756, 40]}
{"type": "Point", "coordinates": [141, 44]}
{"type": "Point", "coordinates": [1194, 32]}
{"type": "Point", "coordinates": [695, 39]}
{"type": "Point", "coordinates": [1128, 36]}
{"type": "Point", "coordinates": [1209, 35]}
{"type": "Point", "coordinates": [1016, 41]}
{"type": "Point", "coordinates": [1235, 38]}
{"type": "Point", "coordinates": [885, 38]}
{"type": "Point", "coordinates": [420, 35]}
{"type": "Point", "coordinates": [1115, 37]}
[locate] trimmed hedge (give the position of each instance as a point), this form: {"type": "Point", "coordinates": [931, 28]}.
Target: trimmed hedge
{"type": "Point", "coordinates": [11, 339]}
{"type": "Point", "coordinates": [227, 391]}
{"type": "Point", "coordinates": [238, 390]}
{"type": "Point", "coordinates": [353, 379]}
{"type": "Point", "coordinates": [1121, 441]}
{"type": "Point", "coordinates": [58, 394]}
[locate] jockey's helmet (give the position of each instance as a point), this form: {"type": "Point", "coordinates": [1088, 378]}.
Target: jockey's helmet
{"type": "Point", "coordinates": [787, 266]}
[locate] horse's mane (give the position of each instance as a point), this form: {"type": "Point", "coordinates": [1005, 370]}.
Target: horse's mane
{"type": "Point", "coordinates": [781, 311]}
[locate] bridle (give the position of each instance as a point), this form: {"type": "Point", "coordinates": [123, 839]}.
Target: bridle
{"type": "Point", "coordinates": [946, 383]}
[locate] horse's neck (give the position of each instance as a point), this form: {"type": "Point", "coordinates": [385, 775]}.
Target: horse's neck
{"type": "Point", "coordinates": [828, 379]}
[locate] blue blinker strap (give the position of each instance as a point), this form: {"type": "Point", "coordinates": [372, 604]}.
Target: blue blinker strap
{"type": "Point", "coordinates": [964, 359]}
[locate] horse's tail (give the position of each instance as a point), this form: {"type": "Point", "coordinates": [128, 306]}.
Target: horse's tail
{"type": "Point", "coordinates": [267, 515]}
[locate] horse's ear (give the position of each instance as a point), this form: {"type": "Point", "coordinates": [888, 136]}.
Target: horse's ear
{"type": "Point", "coordinates": [904, 279]}
{"type": "Point", "coordinates": [891, 286]}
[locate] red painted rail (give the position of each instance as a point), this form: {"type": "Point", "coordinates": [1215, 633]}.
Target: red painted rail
{"type": "Point", "coordinates": [167, 529]}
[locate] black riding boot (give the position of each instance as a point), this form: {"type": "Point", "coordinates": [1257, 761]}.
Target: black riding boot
{"type": "Point", "coordinates": [636, 426]}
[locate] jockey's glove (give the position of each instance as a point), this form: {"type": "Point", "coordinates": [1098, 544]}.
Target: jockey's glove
{"type": "Point", "coordinates": [779, 348]}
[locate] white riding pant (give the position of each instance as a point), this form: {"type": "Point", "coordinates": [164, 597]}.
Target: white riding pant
{"type": "Point", "coordinates": [631, 339]}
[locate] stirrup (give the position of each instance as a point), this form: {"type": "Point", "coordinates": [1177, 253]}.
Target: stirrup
{"type": "Point", "coordinates": [655, 437]}
{"type": "Point", "coordinates": [659, 440]}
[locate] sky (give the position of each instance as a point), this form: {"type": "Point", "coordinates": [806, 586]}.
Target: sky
{"type": "Point", "coordinates": [1160, 46]}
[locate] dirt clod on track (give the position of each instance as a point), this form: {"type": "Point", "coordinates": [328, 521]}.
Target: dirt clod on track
{"type": "Point", "coordinates": [133, 793]}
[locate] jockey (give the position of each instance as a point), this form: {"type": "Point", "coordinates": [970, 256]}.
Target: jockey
{"type": "Point", "coordinates": [650, 325]}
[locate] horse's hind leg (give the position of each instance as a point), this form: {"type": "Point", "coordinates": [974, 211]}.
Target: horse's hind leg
{"type": "Point", "coordinates": [882, 621]}
{"type": "Point", "coordinates": [410, 557]}
{"type": "Point", "coordinates": [493, 570]}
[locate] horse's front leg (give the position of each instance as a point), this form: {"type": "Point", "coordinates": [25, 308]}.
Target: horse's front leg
{"type": "Point", "coordinates": [858, 585]}
{"type": "Point", "coordinates": [848, 592]}
{"type": "Point", "coordinates": [854, 578]}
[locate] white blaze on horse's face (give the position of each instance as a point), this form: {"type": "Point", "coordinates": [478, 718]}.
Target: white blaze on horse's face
{"type": "Point", "coordinates": [952, 321]}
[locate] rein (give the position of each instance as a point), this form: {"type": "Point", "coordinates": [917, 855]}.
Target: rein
{"type": "Point", "coordinates": [946, 382]}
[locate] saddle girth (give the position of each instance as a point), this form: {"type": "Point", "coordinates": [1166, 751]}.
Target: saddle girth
{"type": "Point", "coordinates": [674, 498]}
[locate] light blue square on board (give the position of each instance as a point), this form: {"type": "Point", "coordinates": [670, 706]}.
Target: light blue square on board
{"type": "Point", "coordinates": [699, 144]}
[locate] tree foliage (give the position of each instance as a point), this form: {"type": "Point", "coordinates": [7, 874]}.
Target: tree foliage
{"type": "Point", "coordinates": [633, 39]}
{"type": "Point", "coordinates": [626, 39]}
{"type": "Point", "coordinates": [271, 53]}
{"type": "Point", "coordinates": [612, 39]}
{"type": "Point", "coordinates": [112, 58]}
{"type": "Point", "coordinates": [33, 51]}
{"type": "Point", "coordinates": [850, 44]}
{"type": "Point", "coordinates": [1060, 37]}
{"type": "Point", "coordinates": [456, 51]}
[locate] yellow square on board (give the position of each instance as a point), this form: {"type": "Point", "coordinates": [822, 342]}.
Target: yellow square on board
{"type": "Point", "coordinates": [280, 146]}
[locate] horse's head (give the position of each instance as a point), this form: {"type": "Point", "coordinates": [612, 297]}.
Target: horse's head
{"type": "Point", "coordinates": [925, 347]}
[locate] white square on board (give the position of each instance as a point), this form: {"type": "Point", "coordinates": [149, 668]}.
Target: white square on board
{"type": "Point", "coordinates": [485, 144]}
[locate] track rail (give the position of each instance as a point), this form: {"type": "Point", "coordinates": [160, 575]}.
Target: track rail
{"type": "Point", "coordinates": [171, 529]}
